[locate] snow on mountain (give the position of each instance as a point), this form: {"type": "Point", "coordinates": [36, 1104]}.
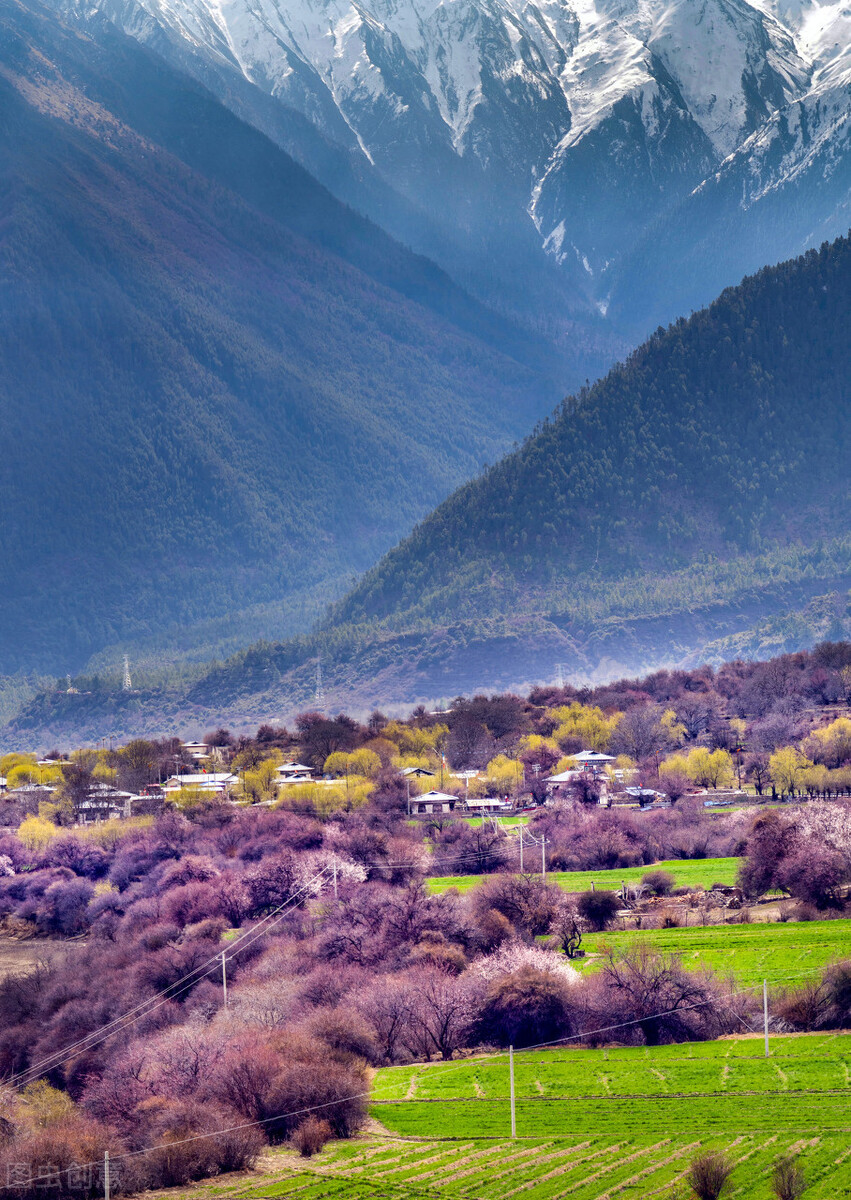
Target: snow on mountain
{"type": "Point", "coordinates": [576, 124]}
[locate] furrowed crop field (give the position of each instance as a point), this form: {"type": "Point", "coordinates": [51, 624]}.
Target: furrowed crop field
{"type": "Point", "coordinates": [750, 953]}
{"type": "Point", "coordinates": [583, 1122]}
{"type": "Point", "coordinates": [687, 872]}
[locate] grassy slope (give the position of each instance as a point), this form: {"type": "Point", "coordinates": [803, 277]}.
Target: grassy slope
{"type": "Point", "coordinates": [697, 872]}
{"type": "Point", "coordinates": [750, 953]}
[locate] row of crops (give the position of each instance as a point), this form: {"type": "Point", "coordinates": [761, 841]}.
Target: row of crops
{"type": "Point", "coordinates": [584, 1122]}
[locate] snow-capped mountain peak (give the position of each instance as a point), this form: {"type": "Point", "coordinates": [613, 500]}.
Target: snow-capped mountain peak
{"type": "Point", "coordinates": [569, 125]}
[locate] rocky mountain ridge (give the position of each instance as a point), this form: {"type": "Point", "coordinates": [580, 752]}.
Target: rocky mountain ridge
{"type": "Point", "coordinates": [570, 135]}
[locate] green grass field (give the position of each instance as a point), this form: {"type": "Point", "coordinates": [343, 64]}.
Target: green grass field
{"type": "Point", "coordinates": [750, 953]}
{"type": "Point", "coordinates": [593, 1110]}
{"type": "Point", "coordinates": [508, 822]}
{"type": "Point", "coordinates": [591, 1125]}
{"type": "Point", "coordinates": [687, 872]}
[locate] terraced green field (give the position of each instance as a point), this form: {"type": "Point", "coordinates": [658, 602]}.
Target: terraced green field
{"type": "Point", "coordinates": [750, 953]}
{"type": "Point", "coordinates": [690, 872]}
{"type": "Point", "coordinates": [591, 1124]}
{"type": "Point", "coordinates": [598, 1106]}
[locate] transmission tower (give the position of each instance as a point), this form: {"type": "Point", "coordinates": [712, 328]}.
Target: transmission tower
{"type": "Point", "coordinates": [320, 690]}
{"type": "Point", "coordinates": [127, 685]}
{"type": "Point", "coordinates": [559, 675]}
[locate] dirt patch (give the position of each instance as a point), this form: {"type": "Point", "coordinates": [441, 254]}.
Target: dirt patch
{"type": "Point", "coordinates": [24, 957]}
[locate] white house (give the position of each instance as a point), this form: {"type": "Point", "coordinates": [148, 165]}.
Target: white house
{"type": "Point", "coordinates": [197, 750]}
{"type": "Point", "coordinates": [433, 802]}
{"type": "Point", "coordinates": [486, 804]}
{"type": "Point", "coordinates": [206, 781]}
{"type": "Point", "coordinates": [103, 803]}
{"type": "Point", "coordinates": [293, 772]}
{"type": "Point", "coordinates": [591, 760]}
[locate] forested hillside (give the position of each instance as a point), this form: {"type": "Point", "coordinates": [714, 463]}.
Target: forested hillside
{"type": "Point", "coordinates": [659, 517]}
{"type": "Point", "coordinates": [725, 435]}
{"type": "Point", "coordinates": [219, 387]}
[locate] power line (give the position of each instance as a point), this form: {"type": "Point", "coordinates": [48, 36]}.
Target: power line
{"type": "Point", "coordinates": [256, 1124]}
{"type": "Point", "coordinates": [151, 1003]}
{"type": "Point", "coordinates": [174, 991]}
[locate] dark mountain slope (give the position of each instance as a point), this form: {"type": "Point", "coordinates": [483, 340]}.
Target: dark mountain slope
{"type": "Point", "coordinates": [724, 435]}
{"type": "Point", "coordinates": [700, 488]}
{"type": "Point", "coordinates": [212, 392]}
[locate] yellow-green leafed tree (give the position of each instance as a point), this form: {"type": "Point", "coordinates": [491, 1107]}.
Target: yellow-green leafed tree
{"type": "Point", "coordinates": [347, 796]}
{"type": "Point", "coordinates": [44, 1105]}
{"type": "Point", "coordinates": [87, 759]}
{"type": "Point", "coordinates": [261, 783]}
{"type": "Point", "coordinates": [786, 769]}
{"type": "Point", "coordinates": [35, 832]}
{"type": "Point", "coordinates": [428, 762]}
{"type": "Point", "coordinates": [21, 774]}
{"type": "Point", "coordinates": [324, 799]}
{"type": "Point", "coordinates": [675, 730]}
{"type": "Point", "coordinates": [359, 762]}
{"type": "Point", "coordinates": [411, 739]}
{"type": "Point", "coordinates": [534, 743]}
{"type": "Point", "coordinates": [675, 764]}
{"type": "Point", "coordinates": [109, 833]}
{"type": "Point", "coordinates": [816, 779]}
{"type": "Point", "coordinates": [832, 744]}
{"type": "Point", "coordinates": [583, 727]}
{"type": "Point", "coordinates": [709, 768]}
{"type": "Point", "coordinates": [188, 797]}
{"type": "Point", "coordinates": [364, 762]}
{"type": "Point", "coordinates": [504, 775]}
{"type": "Point", "coordinates": [9, 761]}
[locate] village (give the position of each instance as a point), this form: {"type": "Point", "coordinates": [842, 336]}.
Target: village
{"type": "Point", "coordinates": [430, 791]}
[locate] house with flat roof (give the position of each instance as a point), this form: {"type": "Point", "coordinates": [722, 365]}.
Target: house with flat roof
{"type": "Point", "coordinates": [218, 782]}
{"type": "Point", "coordinates": [478, 805]}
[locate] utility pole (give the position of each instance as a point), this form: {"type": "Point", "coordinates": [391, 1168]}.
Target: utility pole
{"type": "Point", "coordinates": [334, 865]}
{"type": "Point", "coordinates": [511, 1085]}
{"type": "Point", "coordinates": [224, 981]}
{"type": "Point", "coordinates": [521, 849]}
{"type": "Point", "coordinates": [544, 859]}
{"type": "Point", "coordinates": [765, 1012]}
{"type": "Point", "coordinates": [106, 1175]}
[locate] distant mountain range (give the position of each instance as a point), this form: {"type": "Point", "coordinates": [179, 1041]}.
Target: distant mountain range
{"type": "Point", "coordinates": [695, 502]}
{"type": "Point", "coordinates": [562, 158]}
{"type": "Point", "coordinates": [223, 393]}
